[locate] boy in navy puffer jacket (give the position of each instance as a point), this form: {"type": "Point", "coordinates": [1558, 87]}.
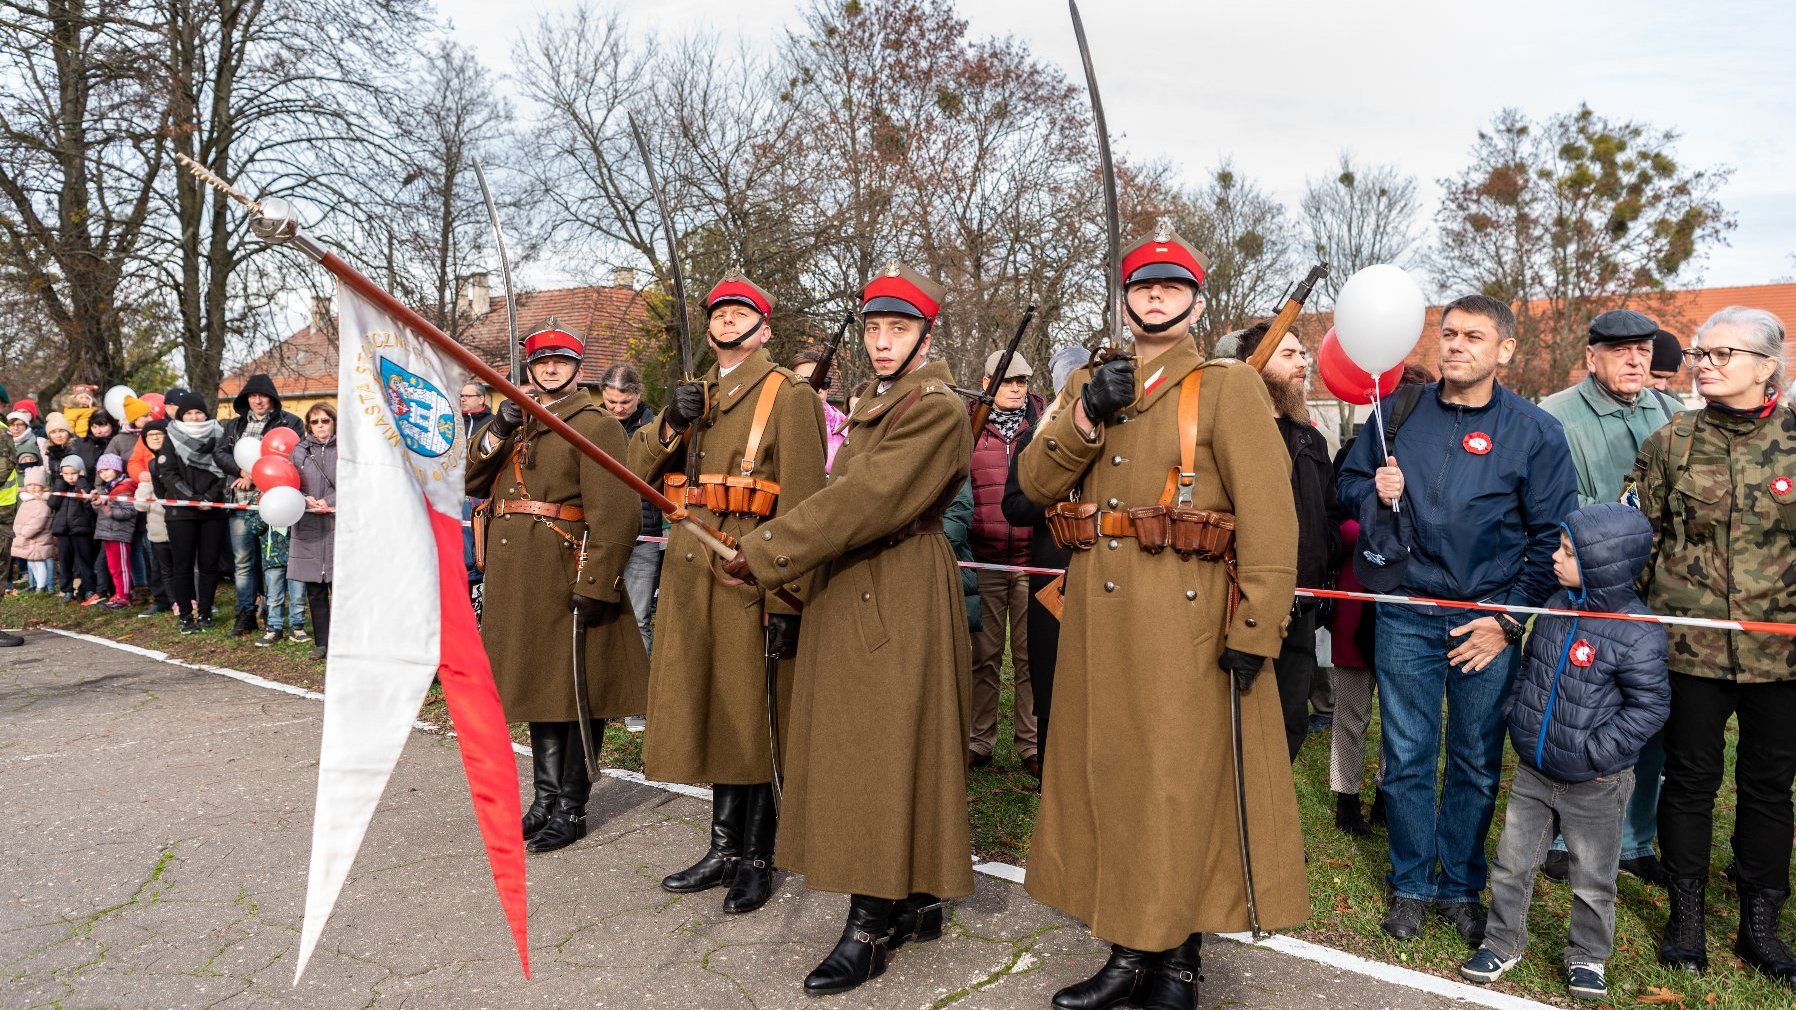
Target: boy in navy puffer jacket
{"type": "Point", "coordinates": [1590, 693]}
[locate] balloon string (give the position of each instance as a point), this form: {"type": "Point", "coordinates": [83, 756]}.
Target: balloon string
{"type": "Point", "coordinates": [1383, 444]}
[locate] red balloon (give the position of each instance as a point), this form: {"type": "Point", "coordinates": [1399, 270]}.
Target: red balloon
{"type": "Point", "coordinates": [154, 402]}
{"type": "Point", "coordinates": [274, 471]}
{"type": "Point", "coordinates": [1346, 380]}
{"type": "Point", "coordinates": [279, 442]}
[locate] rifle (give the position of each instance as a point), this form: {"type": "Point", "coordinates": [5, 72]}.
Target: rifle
{"type": "Point", "coordinates": [983, 409]}
{"type": "Point", "coordinates": [511, 301]}
{"type": "Point", "coordinates": [275, 222]}
{"type": "Point", "coordinates": [819, 379]}
{"type": "Point", "coordinates": [1110, 346]}
{"type": "Point", "coordinates": [1281, 323]}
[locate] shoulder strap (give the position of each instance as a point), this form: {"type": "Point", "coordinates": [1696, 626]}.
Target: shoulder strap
{"type": "Point", "coordinates": [1402, 405]}
{"type": "Point", "coordinates": [770, 391]}
{"type": "Point", "coordinates": [1188, 393]}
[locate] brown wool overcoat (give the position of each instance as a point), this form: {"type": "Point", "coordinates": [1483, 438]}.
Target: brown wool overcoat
{"type": "Point", "coordinates": [1137, 829]}
{"type": "Point", "coordinates": [876, 781]}
{"type": "Point", "coordinates": [707, 716]}
{"type": "Point", "coordinates": [526, 622]}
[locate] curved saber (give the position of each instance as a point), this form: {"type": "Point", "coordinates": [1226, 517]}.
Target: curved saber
{"type": "Point", "coordinates": [673, 249]}
{"type": "Point", "coordinates": [511, 302]}
{"type": "Point", "coordinates": [1112, 214]}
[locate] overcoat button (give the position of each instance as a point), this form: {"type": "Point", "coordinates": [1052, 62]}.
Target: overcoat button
{"type": "Point", "coordinates": [590, 579]}
{"type": "Point", "coordinates": [766, 534]}
{"type": "Point", "coordinates": [1116, 461]}
{"type": "Point", "coordinates": [1109, 587]}
{"type": "Point", "coordinates": [514, 489]}
{"type": "Point", "coordinates": [1190, 594]}
{"type": "Point", "coordinates": [503, 540]}
{"type": "Point", "coordinates": [688, 555]}
{"type": "Point", "coordinates": [1252, 623]}
{"type": "Point", "coordinates": [508, 517]}
{"type": "Point", "coordinates": [866, 596]}
{"type": "Point", "coordinates": [782, 561]}
{"type": "Point", "coordinates": [701, 454]}
{"type": "Point", "coordinates": [1053, 444]}
{"type": "Point", "coordinates": [1111, 503]}
{"type": "Point", "coordinates": [1113, 545]}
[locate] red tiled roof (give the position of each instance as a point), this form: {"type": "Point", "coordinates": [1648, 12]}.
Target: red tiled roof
{"type": "Point", "coordinates": [305, 364]}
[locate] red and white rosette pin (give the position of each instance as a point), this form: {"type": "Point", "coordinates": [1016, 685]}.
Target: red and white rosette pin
{"type": "Point", "coordinates": [1783, 489]}
{"type": "Point", "coordinates": [1582, 652]}
{"type": "Point", "coordinates": [1477, 443]}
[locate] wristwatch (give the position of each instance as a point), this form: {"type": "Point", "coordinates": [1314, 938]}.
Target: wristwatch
{"type": "Point", "coordinates": [1512, 628]}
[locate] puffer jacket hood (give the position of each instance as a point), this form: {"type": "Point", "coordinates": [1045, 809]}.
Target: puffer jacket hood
{"type": "Point", "coordinates": [1593, 690]}
{"type": "Point", "coordinates": [258, 383]}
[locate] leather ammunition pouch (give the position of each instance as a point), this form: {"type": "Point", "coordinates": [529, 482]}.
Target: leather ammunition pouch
{"type": "Point", "coordinates": [734, 494]}
{"type": "Point", "coordinates": [1073, 524]}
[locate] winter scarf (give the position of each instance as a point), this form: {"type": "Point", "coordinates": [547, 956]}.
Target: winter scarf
{"type": "Point", "coordinates": [1008, 422]}
{"type": "Point", "coordinates": [194, 442]}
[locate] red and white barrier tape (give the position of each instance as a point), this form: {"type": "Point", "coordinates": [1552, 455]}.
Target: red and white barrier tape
{"type": "Point", "coordinates": [179, 502]}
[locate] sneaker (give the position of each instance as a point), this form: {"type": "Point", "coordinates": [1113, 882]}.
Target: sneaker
{"type": "Point", "coordinates": [1321, 723]}
{"type": "Point", "coordinates": [269, 637]}
{"type": "Point", "coordinates": [299, 635]}
{"type": "Point", "coordinates": [116, 603]}
{"type": "Point", "coordinates": [1486, 967]}
{"type": "Point", "coordinates": [1648, 869]}
{"type": "Point", "coordinates": [93, 601]}
{"type": "Point", "coordinates": [1469, 917]}
{"type": "Point", "coordinates": [1584, 980]}
{"type": "Point", "coordinates": [1558, 865]}
{"type": "Point", "coordinates": [1404, 920]}
{"type": "Point", "coordinates": [189, 626]}
{"type": "Point", "coordinates": [207, 623]}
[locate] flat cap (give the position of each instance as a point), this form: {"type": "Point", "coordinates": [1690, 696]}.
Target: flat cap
{"type": "Point", "coordinates": [1621, 325]}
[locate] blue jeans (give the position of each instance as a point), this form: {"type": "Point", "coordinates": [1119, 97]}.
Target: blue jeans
{"type": "Point", "coordinates": [642, 575]}
{"type": "Point", "coordinates": [1438, 829]}
{"type": "Point", "coordinates": [286, 600]}
{"type": "Point", "coordinates": [246, 553]}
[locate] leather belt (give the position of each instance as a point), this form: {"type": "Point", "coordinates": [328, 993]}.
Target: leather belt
{"type": "Point", "coordinates": [1115, 524]}
{"type": "Point", "coordinates": [548, 510]}
{"type": "Point", "coordinates": [920, 526]}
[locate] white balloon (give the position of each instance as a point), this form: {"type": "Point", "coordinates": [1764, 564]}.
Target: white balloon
{"type": "Point", "coordinates": [281, 506]}
{"type": "Point", "coordinates": [1379, 316]}
{"type": "Point", "coordinates": [114, 402]}
{"type": "Point", "coordinates": [247, 450]}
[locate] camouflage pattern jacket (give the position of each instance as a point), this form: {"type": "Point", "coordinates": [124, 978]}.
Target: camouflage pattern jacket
{"type": "Point", "coordinates": [1720, 492]}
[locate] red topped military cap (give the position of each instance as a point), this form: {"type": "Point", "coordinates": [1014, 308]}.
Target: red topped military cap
{"type": "Point", "coordinates": [552, 341]}
{"type": "Point", "coordinates": [1164, 255]}
{"type": "Point", "coordinates": [739, 289]}
{"type": "Point", "coordinates": [902, 290]}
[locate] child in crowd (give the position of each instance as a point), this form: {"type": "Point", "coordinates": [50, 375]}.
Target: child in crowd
{"type": "Point", "coordinates": [162, 569]}
{"type": "Point", "coordinates": [1590, 693]}
{"type": "Point", "coordinates": [115, 524]}
{"type": "Point", "coordinates": [284, 599]}
{"type": "Point", "coordinates": [32, 544]}
{"type": "Point", "coordinates": [72, 523]}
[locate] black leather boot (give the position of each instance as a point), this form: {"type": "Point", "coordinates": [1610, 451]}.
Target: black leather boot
{"type": "Point", "coordinates": [918, 917]}
{"type": "Point", "coordinates": [1116, 983]}
{"type": "Point", "coordinates": [754, 874]}
{"type": "Point", "coordinates": [1348, 817]}
{"type": "Point", "coordinates": [567, 814]}
{"type": "Point", "coordinates": [1172, 984]}
{"type": "Point", "coordinates": [861, 953]}
{"type": "Point", "coordinates": [718, 866]}
{"type": "Point", "coordinates": [1757, 943]}
{"type": "Point", "coordinates": [1685, 945]}
{"type": "Point", "coordinates": [545, 764]}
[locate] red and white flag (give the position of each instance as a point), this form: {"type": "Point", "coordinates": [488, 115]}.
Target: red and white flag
{"type": "Point", "coordinates": [401, 610]}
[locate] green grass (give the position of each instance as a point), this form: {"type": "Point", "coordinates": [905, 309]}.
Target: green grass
{"type": "Point", "coordinates": [1346, 874]}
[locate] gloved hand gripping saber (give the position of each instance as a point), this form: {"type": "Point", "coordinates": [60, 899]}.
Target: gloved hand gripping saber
{"type": "Point", "coordinates": [274, 221]}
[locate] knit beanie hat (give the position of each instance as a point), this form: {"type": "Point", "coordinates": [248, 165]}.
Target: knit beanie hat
{"type": "Point", "coordinates": [73, 461]}
{"type": "Point", "coordinates": [57, 421]}
{"type": "Point", "coordinates": [187, 401]}
{"type": "Point", "coordinates": [135, 410]}
{"type": "Point", "coordinates": [111, 461]}
{"type": "Point", "coordinates": [37, 475]}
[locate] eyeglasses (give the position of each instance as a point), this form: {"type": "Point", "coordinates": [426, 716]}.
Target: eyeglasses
{"type": "Point", "coordinates": [1719, 355]}
{"type": "Point", "coordinates": [321, 420]}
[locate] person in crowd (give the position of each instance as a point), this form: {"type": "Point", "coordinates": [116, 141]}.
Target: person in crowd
{"type": "Point", "coordinates": [835, 423]}
{"type": "Point", "coordinates": [115, 524]}
{"type": "Point", "coordinates": [475, 414]}
{"type": "Point", "coordinates": [11, 477]}
{"type": "Point", "coordinates": [312, 551]}
{"type": "Point", "coordinates": [1590, 693]}
{"type": "Point", "coordinates": [1668, 357]}
{"type": "Point", "coordinates": [1044, 624]}
{"type": "Point", "coordinates": [60, 440]}
{"type": "Point", "coordinates": [620, 392]}
{"type": "Point", "coordinates": [957, 526]}
{"type": "Point", "coordinates": [284, 598]}
{"type": "Point", "coordinates": [18, 425]}
{"type": "Point", "coordinates": [33, 545]}
{"type": "Point", "coordinates": [73, 526]}
{"type": "Point", "coordinates": [190, 468]}
{"type": "Point", "coordinates": [1003, 596]}
{"type": "Point", "coordinates": [1607, 416]}
{"type": "Point", "coordinates": [258, 407]}
{"type": "Point", "coordinates": [1461, 502]}
{"type": "Point", "coordinates": [1319, 518]}
{"type": "Point", "coordinates": [1716, 485]}
{"type": "Point", "coordinates": [1177, 593]}
{"type": "Point", "coordinates": [1352, 634]}
{"type": "Point", "coordinates": [475, 411]}
{"type": "Point", "coordinates": [155, 438]}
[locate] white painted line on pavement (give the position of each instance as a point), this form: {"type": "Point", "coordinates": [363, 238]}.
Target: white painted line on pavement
{"type": "Point", "coordinates": [1409, 978]}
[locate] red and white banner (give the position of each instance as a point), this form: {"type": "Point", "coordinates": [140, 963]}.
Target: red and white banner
{"type": "Point", "coordinates": [401, 609]}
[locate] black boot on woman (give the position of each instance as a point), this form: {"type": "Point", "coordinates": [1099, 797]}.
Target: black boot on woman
{"type": "Point", "coordinates": [1348, 817]}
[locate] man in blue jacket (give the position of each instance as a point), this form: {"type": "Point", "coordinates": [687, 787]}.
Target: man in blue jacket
{"type": "Point", "coordinates": [1464, 504]}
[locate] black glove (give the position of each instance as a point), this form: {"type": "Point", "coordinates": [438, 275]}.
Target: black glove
{"type": "Point", "coordinates": [1112, 387]}
{"type": "Point", "coordinates": [782, 635]}
{"type": "Point", "coordinates": [589, 612]}
{"type": "Point", "coordinates": [1243, 666]}
{"type": "Point", "coordinates": [509, 418]}
{"type": "Point", "coordinates": [686, 405]}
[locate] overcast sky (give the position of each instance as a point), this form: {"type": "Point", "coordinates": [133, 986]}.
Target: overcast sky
{"type": "Point", "coordinates": [1399, 81]}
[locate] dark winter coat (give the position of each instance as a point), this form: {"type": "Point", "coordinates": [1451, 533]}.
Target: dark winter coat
{"type": "Point", "coordinates": [957, 523]}
{"type": "Point", "coordinates": [116, 517]}
{"type": "Point", "coordinates": [238, 426]}
{"type": "Point", "coordinates": [1319, 514]}
{"type": "Point", "coordinates": [651, 516]}
{"type": "Point", "coordinates": [1591, 691]}
{"type": "Point", "coordinates": [71, 517]}
{"type": "Point", "coordinates": [995, 540]}
{"type": "Point", "coordinates": [174, 478]}
{"type": "Point", "coordinates": [81, 447]}
{"type": "Point", "coordinates": [311, 555]}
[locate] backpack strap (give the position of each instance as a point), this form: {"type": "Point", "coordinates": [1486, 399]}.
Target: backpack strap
{"type": "Point", "coordinates": [1403, 404]}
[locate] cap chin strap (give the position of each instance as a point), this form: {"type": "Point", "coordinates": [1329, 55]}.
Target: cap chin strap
{"type": "Point", "coordinates": [904, 366]}
{"type": "Point", "coordinates": [556, 391]}
{"type": "Point", "coordinates": [730, 345]}
{"type": "Point", "coordinates": [1157, 328]}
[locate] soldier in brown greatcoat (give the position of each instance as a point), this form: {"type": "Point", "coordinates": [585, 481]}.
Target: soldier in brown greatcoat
{"type": "Point", "coordinates": [560, 533]}
{"type": "Point", "coordinates": [708, 683]}
{"type": "Point", "coordinates": [876, 795]}
{"type": "Point", "coordinates": [1137, 833]}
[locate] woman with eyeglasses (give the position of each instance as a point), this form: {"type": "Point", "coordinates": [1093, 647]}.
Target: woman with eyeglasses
{"type": "Point", "coordinates": [1716, 484]}
{"type": "Point", "coordinates": [309, 556]}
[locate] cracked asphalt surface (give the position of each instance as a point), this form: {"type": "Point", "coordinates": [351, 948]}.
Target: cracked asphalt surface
{"type": "Point", "coordinates": [159, 823]}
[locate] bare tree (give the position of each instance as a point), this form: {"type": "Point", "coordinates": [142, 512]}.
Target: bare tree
{"type": "Point", "coordinates": [1251, 245]}
{"type": "Point", "coordinates": [1363, 216]}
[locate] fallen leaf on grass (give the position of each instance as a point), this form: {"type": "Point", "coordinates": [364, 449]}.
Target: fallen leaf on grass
{"type": "Point", "coordinates": [1658, 995]}
{"type": "Point", "coordinates": [1339, 864]}
{"type": "Point", "coordinates": [1342, 905]}
{"type": "Point", "coordinates": [1711, 999]}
